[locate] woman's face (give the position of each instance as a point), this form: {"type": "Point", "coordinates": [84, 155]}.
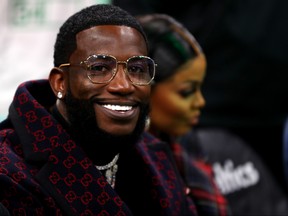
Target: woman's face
{"type": "Point", "coordinates": [176, 103]}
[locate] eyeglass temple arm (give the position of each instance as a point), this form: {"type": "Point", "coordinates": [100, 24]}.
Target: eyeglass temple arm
{"type": "Point", "coordinates": [64, 65]}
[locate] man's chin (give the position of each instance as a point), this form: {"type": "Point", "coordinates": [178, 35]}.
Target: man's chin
{"type": "Point", "coordinates": [118, 130]}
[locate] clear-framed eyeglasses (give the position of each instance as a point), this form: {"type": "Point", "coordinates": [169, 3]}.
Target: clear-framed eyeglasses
{"type": "Point", "coordinates": [102, 68]}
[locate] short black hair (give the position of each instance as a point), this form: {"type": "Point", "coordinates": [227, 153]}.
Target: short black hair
{"type": "Point", "coordinates": [99, 14]}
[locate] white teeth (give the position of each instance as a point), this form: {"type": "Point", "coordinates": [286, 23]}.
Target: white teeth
{"type": "Point", "coordinates": [117, 107]}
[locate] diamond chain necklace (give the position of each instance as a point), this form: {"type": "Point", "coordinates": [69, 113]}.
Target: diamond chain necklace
{"type": "Point", "coordinates": [111, 169]}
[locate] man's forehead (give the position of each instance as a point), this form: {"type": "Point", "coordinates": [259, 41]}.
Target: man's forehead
{"type": "Point", "coordinates": [115, 34]}
{"type": "Point", "coordinates": [110, 39]}
{"type": "Point", "coordinates": [113, 30]}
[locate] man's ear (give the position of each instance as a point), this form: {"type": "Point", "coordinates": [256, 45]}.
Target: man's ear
{"type": "Point", "coordinates": [57, 82]}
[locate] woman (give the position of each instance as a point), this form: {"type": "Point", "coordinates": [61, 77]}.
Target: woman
{"type": "Point", "coordinates": [176, 103]}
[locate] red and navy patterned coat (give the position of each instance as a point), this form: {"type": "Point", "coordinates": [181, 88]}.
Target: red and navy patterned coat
{"type": "Point", "coordinates": [44, 172]}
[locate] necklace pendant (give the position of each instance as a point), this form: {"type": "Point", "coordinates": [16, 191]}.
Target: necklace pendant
{"type": "Point", "coordinates": [114, 171]}
{"type": "Point", "coordinates": [111, 170]}
{"type": "Point", "coordinates": [110, 175]}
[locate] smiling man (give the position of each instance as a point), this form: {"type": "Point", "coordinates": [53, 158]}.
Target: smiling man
{"type": "Point", "coordinates": [74, 144]}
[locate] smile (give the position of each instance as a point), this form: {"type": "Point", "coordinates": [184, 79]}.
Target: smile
{"type": "Point", "coordinates": [117, 107]}
{"type": "Point", "coordinates": [117, 111]}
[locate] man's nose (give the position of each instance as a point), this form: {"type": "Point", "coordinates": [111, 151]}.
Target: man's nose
{"type": "Point", "coordinates": [121, 81]}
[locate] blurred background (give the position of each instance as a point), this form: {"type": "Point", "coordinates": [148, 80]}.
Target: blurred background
{"type": "Point", "coordinates": [27, 35]}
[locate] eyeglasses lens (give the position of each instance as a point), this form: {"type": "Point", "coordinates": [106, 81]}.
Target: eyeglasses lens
{"type": "Point", "coordinates": [140, 69]}
{"type": "Point", "coordinates": [101, 68]}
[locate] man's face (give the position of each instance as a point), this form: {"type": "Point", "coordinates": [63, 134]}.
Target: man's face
{"type": "Point", "coordinates": [115, 106]}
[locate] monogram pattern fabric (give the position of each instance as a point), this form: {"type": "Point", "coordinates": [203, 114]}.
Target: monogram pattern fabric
{"type": "Point", "coordinates": [44, 172]}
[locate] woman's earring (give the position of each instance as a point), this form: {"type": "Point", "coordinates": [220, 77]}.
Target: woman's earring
{"type": "Point", "coordinates": [59, 95]}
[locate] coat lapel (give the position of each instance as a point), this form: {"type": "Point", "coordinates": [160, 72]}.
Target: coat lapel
{"type": "Point", "coordinates": [167, 186]}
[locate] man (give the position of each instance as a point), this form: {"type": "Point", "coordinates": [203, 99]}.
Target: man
{"type": "Point", "coordinates": [74, 145]}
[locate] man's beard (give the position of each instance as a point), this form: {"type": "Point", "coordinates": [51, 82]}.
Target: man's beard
{"type": "Point", "coordinates": [85, 130]}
